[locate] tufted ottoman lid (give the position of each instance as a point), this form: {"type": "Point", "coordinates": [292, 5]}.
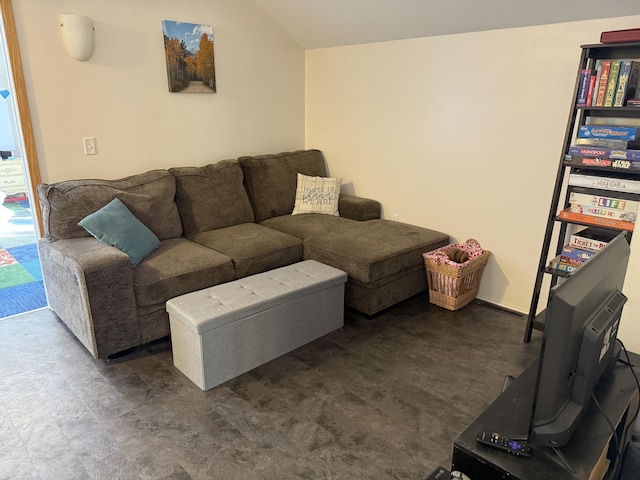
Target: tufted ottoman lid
{"type": "Point", "coordinates": [220, 305]}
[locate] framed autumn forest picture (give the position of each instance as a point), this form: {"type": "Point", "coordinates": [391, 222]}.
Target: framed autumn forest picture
{"type": "Point", "coordinates": [189, 54]}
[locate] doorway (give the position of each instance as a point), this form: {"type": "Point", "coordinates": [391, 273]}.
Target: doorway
{"type": "Point", "coordinates": [21, 284]}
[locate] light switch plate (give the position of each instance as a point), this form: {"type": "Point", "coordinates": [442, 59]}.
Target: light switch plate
{"type": "Point", "coordinates": [89, 144]}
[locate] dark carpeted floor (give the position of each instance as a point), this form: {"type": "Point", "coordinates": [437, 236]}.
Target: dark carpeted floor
{"type": "Point", "coordinates": [381, 398]}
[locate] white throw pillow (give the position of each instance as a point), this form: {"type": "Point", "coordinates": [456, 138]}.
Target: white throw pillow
{"type": "Point", "coordinates": [317, 195]}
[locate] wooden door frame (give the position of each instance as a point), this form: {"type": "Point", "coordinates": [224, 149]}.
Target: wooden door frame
{"type": "Point", "coordinates": [15, 64]}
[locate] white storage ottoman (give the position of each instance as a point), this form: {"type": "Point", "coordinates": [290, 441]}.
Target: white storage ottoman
{"type": "Point", "coordinates": [223, 331]}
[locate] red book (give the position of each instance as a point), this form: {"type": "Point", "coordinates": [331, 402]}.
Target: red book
{"type": "Point", "coordinates": [615, 36]}
{"type": "Point", "coordinates": [604, 81]}
{"type": "Point", "coordinates": [592, 87]}
{"type": "Point", "coordinates": [566, 214]}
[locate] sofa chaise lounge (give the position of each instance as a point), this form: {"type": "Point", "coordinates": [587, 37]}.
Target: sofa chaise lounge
{"type": "Point", "coordinates": [215, 224]}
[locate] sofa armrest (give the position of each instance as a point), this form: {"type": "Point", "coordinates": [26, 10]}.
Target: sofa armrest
{"type": "Point", "coordinates": [357, 208]}
{"type": "Point", "coordinates": [90, 287]}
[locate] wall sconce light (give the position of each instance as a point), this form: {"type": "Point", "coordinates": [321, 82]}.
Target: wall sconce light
{"type": "Point", "coordinates": [77, 35]}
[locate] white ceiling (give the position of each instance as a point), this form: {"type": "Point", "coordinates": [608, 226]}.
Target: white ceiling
{"type": "Point", "coordinates": [331, 23]}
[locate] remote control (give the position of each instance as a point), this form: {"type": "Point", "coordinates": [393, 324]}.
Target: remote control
{"type": "Point", "coordinates": [520, 448]}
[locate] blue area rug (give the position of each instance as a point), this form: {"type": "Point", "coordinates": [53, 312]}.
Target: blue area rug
{"type": "Point", "coordinates": [21, 285]}
{"type": "Point", "coordinates": [21, 276]}
{"type": "Point", "coordinates": [22, 298]}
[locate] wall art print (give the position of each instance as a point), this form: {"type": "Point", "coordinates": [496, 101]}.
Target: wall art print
{"type": "Point", "coordinates": [189, 54]}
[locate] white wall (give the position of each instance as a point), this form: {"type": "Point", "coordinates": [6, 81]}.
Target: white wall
{"type": "Point", "coordinates": [462, 134]}
{"type": "Point", "coordinates": [120, 96]}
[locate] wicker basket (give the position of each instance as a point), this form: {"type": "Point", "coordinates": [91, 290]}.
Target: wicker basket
{"type": "Point", "coordinates": [454, 287]}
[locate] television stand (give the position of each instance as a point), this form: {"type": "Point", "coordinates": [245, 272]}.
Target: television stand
{"type": "Point", "coordinates": [589, 452]}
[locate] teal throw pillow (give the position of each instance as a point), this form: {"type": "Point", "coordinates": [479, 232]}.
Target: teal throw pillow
{"type": "Point", "coordinates": [115, 225]}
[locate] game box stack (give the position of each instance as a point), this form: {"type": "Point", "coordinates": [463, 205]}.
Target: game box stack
{"type": "Point", "coordinates": [608, 146]}
{"type": "Point", "coordinates": [581, 247]}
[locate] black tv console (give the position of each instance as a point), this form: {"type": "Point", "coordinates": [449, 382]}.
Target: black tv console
{"type": "Point", "coordinates": [588, 453]}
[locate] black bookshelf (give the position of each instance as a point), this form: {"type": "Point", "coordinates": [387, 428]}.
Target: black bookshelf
{"type": "Point", "coordinates": [561, 228]}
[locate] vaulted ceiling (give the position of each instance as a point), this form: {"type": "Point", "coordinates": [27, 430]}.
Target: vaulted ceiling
{"type": "Point", "coordinates": [330, 23]}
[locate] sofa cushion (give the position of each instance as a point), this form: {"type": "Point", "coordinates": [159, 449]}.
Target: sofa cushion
{"type": "Point", "coordinates": [179, 266]}
{"type": "Point", "coordinates": [370, 251]}
{"type": "Point", "coordinates": [303, 226]}
{"type": "Point", "coordinates": [149, 196]}
{"type": "Point", "coordinates": [211, 197]}
{"type": "Point", "coordinates": [271, 180]}
{"type": "Point", "coordinates": [115, 225]}
{"type": "Point", "coordinates": [317, 195]}
{"type": "Point", "coordinates": [253, 248]}
{"type": "Point", "coordinates": [358, 208]}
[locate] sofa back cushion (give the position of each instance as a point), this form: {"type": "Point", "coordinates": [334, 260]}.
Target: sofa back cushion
{"type": "Point", "coordinates": [211, 197]}
{"type": "Point", "coordinates": [271, 180]}
{"type": "Point", "coordinates": [149, 196]}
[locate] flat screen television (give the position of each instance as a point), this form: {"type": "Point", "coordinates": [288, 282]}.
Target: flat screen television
{"type": "Point", "coordinates": [579, 343]}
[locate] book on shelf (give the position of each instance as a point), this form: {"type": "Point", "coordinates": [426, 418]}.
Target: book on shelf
{"type": "Point", "coordinates": [633, 86]}
{"type": "Point", "coordinates": [567, 214]}
{"type": "Point", "coordinates": [604, 152]}
{"type": "Point", "coordinates": [575, 256]}
{"type": "Point", "coordinates": [633, 102]}
{"type": "Point", "coordinates": [596, 162]}
{"type": "Point", "coordinates": [604, 212]}
{"type": "Point", "coordinates": [623, 82]}
{"type": "Point", "coordinates": [634, 81]}
{"type": "Point", "coordinates": [601, 88]}
{"type": "Point", "coordinates": [608, 143]}
{"type": "Point", "coordinates": [612, 83]}
{"type": "Point", "coordinates": [604, 183]}
{"type": "Point", "coordinates": [593, 80]}
{"type": "Point", "coordinates": [557, 264]}
{"type": "Point", "coordinates": [612, 203]}
{"type": "Point", "coordinates": [583, 86]}
{"type": "Point", "coordinates": [609, 131]}
{"type": "Point", "coordinates": [591, 238]}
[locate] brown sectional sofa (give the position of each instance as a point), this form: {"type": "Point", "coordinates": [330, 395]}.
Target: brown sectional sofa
{"type": "Point", "coordinates": [215, 224]}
